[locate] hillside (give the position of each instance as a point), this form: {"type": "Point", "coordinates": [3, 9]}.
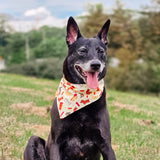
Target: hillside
{"type": "Point", "coordinates": [24, 110]}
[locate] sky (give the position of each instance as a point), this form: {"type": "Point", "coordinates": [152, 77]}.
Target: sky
{"type": "Point", "coordinates": [29, 14]}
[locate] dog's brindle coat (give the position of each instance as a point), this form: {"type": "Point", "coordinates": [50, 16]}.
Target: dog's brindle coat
{"type": "Point", "coordinates": [85, 134]}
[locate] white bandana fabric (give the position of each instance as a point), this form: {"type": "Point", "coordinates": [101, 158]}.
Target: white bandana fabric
{"type": "Point", "coordinates": [72, 97]}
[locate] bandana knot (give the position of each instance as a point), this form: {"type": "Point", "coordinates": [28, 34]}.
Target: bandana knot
{"type": "Point", "coordinates": [72, 97]}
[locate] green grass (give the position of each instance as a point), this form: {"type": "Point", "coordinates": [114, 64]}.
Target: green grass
{"type": "Point", "coordinates": [135, 118]}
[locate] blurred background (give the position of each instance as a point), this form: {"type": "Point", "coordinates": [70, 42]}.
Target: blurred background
{"type": "Point", "coordinates": [32, 38]}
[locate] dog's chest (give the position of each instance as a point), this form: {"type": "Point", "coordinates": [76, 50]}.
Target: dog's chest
{"type": "Point", "coordinates": [81, 125]}
{"type": "Point", "coordinates": [80, 137]}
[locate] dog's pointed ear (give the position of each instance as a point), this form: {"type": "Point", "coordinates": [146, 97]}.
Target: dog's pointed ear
{"type": "Point", "coordinates": [102, 35]}
{"type": "Point", "coordinates": [73, 32]}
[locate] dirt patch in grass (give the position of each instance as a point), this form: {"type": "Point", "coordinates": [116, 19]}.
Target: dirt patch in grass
{"type": "Point", "coordinates": [50, 98]}
{"type": "Point", "coordinates": [143, 122]}
{"type": "Point", "coordinates": [115, 147]}
{"type": "Point", "coordinates": [19, 89]}
{"type": "Point", "coordinates": [8, 128]}
{"type": "Point", "coordinates": [49, 90]}
{"type": "Point", "coordinates": [28, 91]}
{"type": "Point", "coordinates": [31, 108]}
{"type": "Point", "coordinates": [130, 107]}
{"type": "Point", "coordinates": [6, 149]}
{"type": "Point", "coordinates": [45, 83]}
{"type": "Point", "coordinates": [126, 106]}
{"type": "Point", "coordinates": [39, 130]}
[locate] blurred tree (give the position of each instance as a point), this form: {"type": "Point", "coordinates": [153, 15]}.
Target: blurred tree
{"type": "Point", "coordinates": [150, 32]}
{"type": "Point", "coordinates": [4, 29]}
{"type": "Point", "coordinates": [51, 32]}
{"type": "Point", "coordinates": [94, 20]}
{"type": "Point", "coordinates": [4, 34]}
{"type": "Point", "coordinates": [149, 23]}
{"type": "Point", "coordinates": [35, 38]}
{"type": "Point", "coordinates": [53, 47]}
{"type": "Point", "coordinates": [124, 31]}
{"type": "Point", "coordinates": [16, 48]}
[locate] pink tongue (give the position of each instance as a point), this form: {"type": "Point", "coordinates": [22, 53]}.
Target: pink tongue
{"type": "Point", "coordinates": [92, 80]}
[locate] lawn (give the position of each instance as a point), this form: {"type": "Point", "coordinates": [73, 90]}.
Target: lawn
{"type": "Point", "coordinates": [25, 104]}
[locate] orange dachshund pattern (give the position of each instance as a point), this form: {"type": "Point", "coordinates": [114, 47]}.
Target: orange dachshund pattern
{"type": "Point", "coordinates": [72, 97]}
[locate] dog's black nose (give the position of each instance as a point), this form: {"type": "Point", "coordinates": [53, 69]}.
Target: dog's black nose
{"type": "Point", "coordinates": [95, 65]}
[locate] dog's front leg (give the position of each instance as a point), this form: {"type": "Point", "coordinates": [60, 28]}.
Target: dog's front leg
{"type": "Point", "coordinates": [104, 143]}
{"type": "Point", "coordinates": [107, 152]}
{"type": "Point", "coordinates": [54, 152]}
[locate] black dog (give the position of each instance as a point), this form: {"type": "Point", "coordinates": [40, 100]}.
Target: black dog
{"type": "Point", "coordinates": [84, 134]}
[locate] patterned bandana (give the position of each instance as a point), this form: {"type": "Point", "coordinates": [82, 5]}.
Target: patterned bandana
{"type": "Point", "coordinates": [72, 97]}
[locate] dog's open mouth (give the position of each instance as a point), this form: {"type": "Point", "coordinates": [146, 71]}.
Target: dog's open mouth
{"type": "Point", "coordinates": [91, 78]}
{"type": "Point", "coordinates": [81, 71]}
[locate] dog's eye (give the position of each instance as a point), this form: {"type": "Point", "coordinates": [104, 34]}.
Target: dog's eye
{"type": "Point", "coordinates": [101, 51]}
{"type": "Point", "coordinates": [82, 51]}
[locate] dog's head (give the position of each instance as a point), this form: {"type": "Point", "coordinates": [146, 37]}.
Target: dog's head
{"type": "Point", "coordinates": [86, 60]}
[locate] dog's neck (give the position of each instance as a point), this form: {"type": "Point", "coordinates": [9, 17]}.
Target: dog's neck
{"type": "Point", "coordinates": [72, 97]}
